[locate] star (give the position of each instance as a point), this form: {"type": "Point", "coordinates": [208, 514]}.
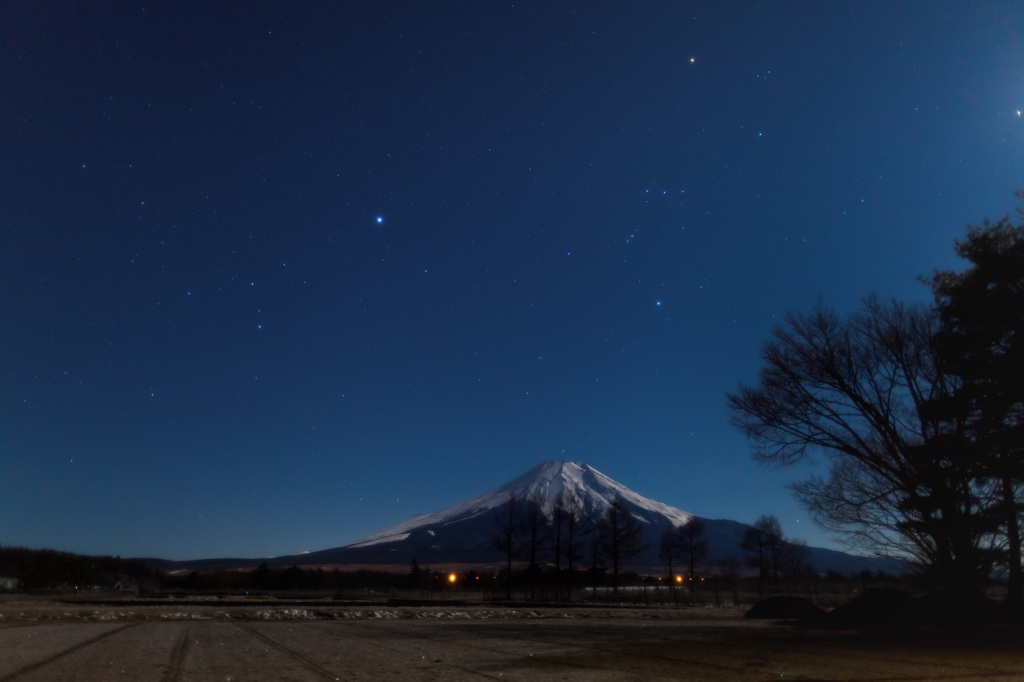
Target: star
{"type": "Point", "coordinates": [379, 220]}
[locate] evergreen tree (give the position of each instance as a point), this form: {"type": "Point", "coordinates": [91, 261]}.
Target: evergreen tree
{"type": "Point", "coordinates": [981, 341]}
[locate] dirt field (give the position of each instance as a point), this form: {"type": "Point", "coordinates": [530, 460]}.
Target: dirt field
{"type": "Point", "coordinates": [45, 641]}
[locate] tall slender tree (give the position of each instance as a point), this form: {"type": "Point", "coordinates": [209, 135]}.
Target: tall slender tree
{"type": "Point", "coordinates": [555, 529]}
{"type": "Point", "coordinates": [577, 526]}
{"type": "Point", "coordinates": [535, 529]}
{"type": "Point", "coordinates": [694, 546]}
{"type": "Point", "coordinates": [669, 549]}
{"type": "Point", "coordinates": [762, 543]}
{"type": "Point", "coordinates": [507, 538]}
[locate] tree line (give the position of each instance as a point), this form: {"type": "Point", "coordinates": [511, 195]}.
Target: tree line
{"type": "Point", "coordinates": [919, 410]}
{"type": "Point", "coordinates": [47, 569]}
{"type": "Point", "coordinates": [569, 537]}
{"type": "Point", "coordinates": [524, 532]}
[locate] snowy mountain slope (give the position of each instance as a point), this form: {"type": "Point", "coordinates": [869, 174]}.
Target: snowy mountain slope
{"type": "Point", "coordinates": [461, 534]}
{"type": "Point", "coordinates": [551, 479]}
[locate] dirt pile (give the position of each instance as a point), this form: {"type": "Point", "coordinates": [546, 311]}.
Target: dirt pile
{"type": "Point", "coordinates": [787, 608]}
{"type": "Point", "coordinates": [892, 607]}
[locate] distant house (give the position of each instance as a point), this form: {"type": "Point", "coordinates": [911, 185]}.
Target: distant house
{"type": "Point", "coordinates": [8, 584]}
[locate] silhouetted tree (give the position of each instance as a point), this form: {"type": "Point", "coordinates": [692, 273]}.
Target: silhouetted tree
{"type": "Point", "coordinates": [670, 548]}
{"type": "Point", "coordinates": [289, 579]}
{"type": "Point", "coordinates": [726, 574]}
{"type": "Point", "coordinates": [762, 544]}
{"type": "Point", "coordinates": [416, 574]}
{"type": "Point", "coordinates": [507, 536]}
{"type": "Point", "coordinates": [795, 559]}
{"type": "Point", "coordinates": [981, 341]}
{"type": "Point", "coordinates": [555, 530]}
{"type": "Point", "coordinates": [858, 389]}
{"type": "Point", "coordinates": [576, 527]}
{"type": "Point", "coordinates": [619, 536]}
{"type": "Point", "coordinates": [260, 578]}
{"type": "Point", "coordinates": [535, 527]}
{"type": "Point", "coordinates": [597, 567]}
{"type": "Point", "coordinates": [694, 546]}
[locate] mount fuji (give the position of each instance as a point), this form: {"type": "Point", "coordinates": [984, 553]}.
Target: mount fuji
{"type": "Point", "coordinates": [461, 534]}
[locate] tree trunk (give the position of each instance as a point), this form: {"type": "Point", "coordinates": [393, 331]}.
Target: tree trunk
{"type": "Point", "coordinates": [1015, 581]}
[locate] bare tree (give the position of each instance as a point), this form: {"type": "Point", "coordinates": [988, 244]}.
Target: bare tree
{"type": "Point", "coordinates": [564, 531]}
{"type": "Point", "coordinates": [762, 543]}
{"type": "Point", "coordinates": [597, 567]}
{"type": "Point", "coordinates": [727, 573]}
{"type": "Point", "coordinates": [694, 545]}
{"type": "Point", "coordinates": [576, 527]}
{"type": "Point", "coordinates": [507, 535]}
{"type": "Point", "coordinates": [619, 537]}
{"type": "Point", "coordinates": [859, 390]}
{"type": "Point", "coordinates": [535, 525]}
{"type": "Point", "coordinates": [669, 549]}
{"type": "Point", "coordinates": [688, 544]}
{"type": "Point", "coordinates": [795, 559]}
{"type": "Point", "coordinates": [558, 519]}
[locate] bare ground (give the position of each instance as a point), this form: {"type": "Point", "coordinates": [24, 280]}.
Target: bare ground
{"type": "Point", "coordinates": [281, 641]}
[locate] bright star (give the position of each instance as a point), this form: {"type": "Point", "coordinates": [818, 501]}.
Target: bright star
{"type": "Point", "coordinates": [380, 220]}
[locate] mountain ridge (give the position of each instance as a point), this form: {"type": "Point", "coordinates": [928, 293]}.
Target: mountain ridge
{"type": "Point", "coordinates": [462, 533]}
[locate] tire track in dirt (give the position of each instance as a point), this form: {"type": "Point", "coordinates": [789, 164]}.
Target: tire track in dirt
{"type": "Point", "coordinates": [177, 660]}
{"type": "Point", "coordinates": [327, 674]}
{"type": "Point", "coordinates": [389, 647]}
{"type": "Point", "coordinates": [582, 654]}
{"type": "Point", "coordinates": [470, 642]}
{"type": "Point", "coordinates": [32, 667]}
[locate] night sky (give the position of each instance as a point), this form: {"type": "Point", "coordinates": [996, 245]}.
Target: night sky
{"type": "Point", "coordinates": [275, 276]}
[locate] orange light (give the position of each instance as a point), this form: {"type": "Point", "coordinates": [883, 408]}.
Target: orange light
{"type": "Point", "coordinates": [451, 577]}
{"type": "Point", "coordinates": [679, 578]}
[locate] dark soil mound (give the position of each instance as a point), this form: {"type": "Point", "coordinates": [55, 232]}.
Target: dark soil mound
{"type": "Point", "coordinates": [954, 610]}
{"type": "Point", "coordinates": [875, 607]}
{"type": "Point", "coordinates": [784, 607]}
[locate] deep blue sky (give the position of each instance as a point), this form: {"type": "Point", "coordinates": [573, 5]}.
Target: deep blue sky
{"type": "Point", "coordinates": [274, 276]}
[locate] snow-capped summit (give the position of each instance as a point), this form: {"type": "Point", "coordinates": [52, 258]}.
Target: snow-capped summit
{"type": "Point", "coordinates": [552, 480]}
